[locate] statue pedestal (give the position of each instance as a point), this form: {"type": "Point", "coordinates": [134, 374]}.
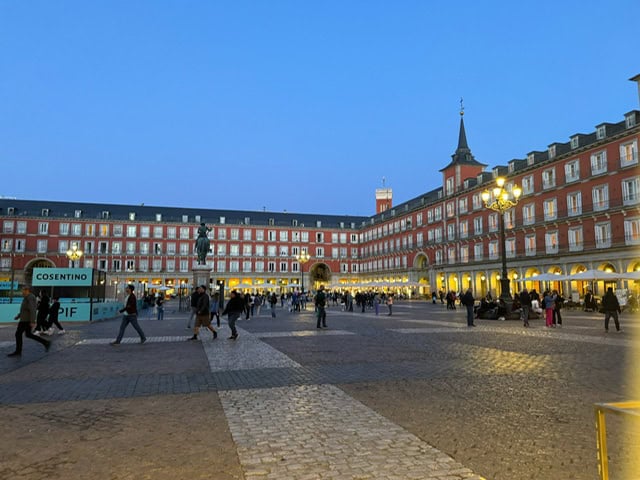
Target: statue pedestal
{"type": "Point", "coordinates": [201, 276]}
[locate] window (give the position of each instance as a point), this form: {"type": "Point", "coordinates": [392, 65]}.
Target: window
{"type": "Point", "coordinates": [132, 231]}
{"type": "Point", "coordinates": [104, 230]}
{"type": "Point", "coordinates": [284, 251]}
{"type": "Point", "coordinates": [157, 248]}
{"type": "Point", "coordinates": [21, 227]}
{"type": "Point", "coordinates": [171, 233]}
{"type": "Point", "coordinates": [510, 247]}
{"type": "Point", "coordinates": [629, 153]}
{"type": "Point", "coordinates": [464, 253]}
{"type": "Point", "coordinates": [451, 231]}
{"type": "Point", "coordinates": [603, 235]}
{"type": "Point", "coordinates": [221, 266]}
{"type": "Point", "coordinates": [550, 209]}
{"type": "Point", "coordinates": [88, 250]}
{"type": "Point", "coordinates": [493, 250]}
{"type": "Point", "coordinates": [574, 204]}
{"type": "Point", "coordinates": [437, 214]}
{"type": "Point", "coordinates": [117, 230]}
{"type": "Point", "coordinates": [600, 196]}
{"type": "Point", "coordinates": [117, 265]}
{"type": "Point", "coordinates": [632, 231]}
{"type": "Point", "coordinates": [572, 171]}
{"type": "Point", "coordinates": [463, 229]}
{"type": "Point", "coordinates": [235, 234]}
{"type": "Point", "coordinates": [271, 251]}
{"type": "Point", "coordinates": [549, 178]}
{"type": "Point", "coordinates": [64, 229]}
{"type": "Point", "coordinates": [576, 239]}
{"type": "Point", "coordinates": [234, 250]}
{"type": "Point", "coordinates": [145, 231]}
{"type": "Point", "coordinates": [102, 248]}
{"type": "Point", "coordinates": [42, 246]}
{"type": "Point", "coordinates": [493, 222]}
{"type": "Point", "coordinates": [631, 191]}
{"type": "Point", "coordinates": [116, 248]}
{"type": "Point", "coordinates": [283, 266]}
{"type": "Point", "coordinates": [222, 233]}
{"type": "Point", "coordinates": [184, 233]}
{"type": "Point", "coordinates": [284, 236]}
{"type": "Point", "coordinates": [7, 245]}
{"type": "Point", "coordinates": [144, 248]}
{"type": "Point", "coordinates": [527, 185]}
{"type": "Point", "coordinates": [530, 245]}
{"type": "Point", "coordinates": [246, 266]}
{"type": "Point", "coordinates": [259, 250]}
{"type": "Point", "coordinates": [246, 250]}
{"type": "Point", "coordinates": [7, 226]}
{"type": "Point", "coordinates": [551, 242]}
{"type": "Point", "coordinates": [319, 252]}
{"type": "Point", "coordinates": [599, 163]}
{"type": "Point", "coordinates": [90, 229]}
{"type": "Point", "coordinates": [451, 209]}
{"type": "Point", "coordinates": [259, 235]}
{"type": "Point", "coordinates": [463, 205]}
{"type": "Point", "coordinates": [477, 201]}
{"type": "Point", "coordinates": [529, 214]}
{"type": "Point", "coordinates": [478, 250]}
{"type": "Point", "coordinates": [259, 267]}
{"type": "Point", "coordinates": [131, 248]}
{"type": "Point", "coordinates": [130, 265]}
{"type": "Point", "coordinates": [234, 266]}
{"type": "Point", "coordinates": [509, 219]}
{"type": "Point", "coordinates": [43, 228]}
{"type": "Point", "coordinates": [449, 186]}
{"type": "Point", "coordinates": [222, 250]}
{"type": "Point", "coordinates": [319, 237]}
{"type": "Point", "coordinates": [157, 265]}
{"type": "Point", "coordinates": [158, 217]}
{"type": "Point", "coordinates": [271, 267]}
{"type": "Point", "coordinates": [157, 232]}
{"type": "Point", "coordinates": [77, 214]}
{"type": "Point", "coordinates": [477, 225]}
{"type": "Point", "coordinates": [246, 234]}
{"type": "Point", "coordinates": [171, 248]}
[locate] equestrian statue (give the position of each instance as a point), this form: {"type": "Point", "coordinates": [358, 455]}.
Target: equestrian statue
{"type": "Point", "coordinates": [202, 244]}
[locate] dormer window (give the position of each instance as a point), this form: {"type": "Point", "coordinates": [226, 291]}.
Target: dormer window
{"type": "Point", "coordinates": [223, 220]}
{"type": "Point", "coordinates": [552, 151]}
{"type": "Point", "coordinates": [132, 216]}
{"type": "Point", "coordinates": [45, 212]}
{"type": "Point", "coordinates": [601, 132]}
{"type": "Point", "coordinates": [158, 217]}
{"type": "Point", "coordinates": [77, 214]}
{"type": "Point", "coordinates": [575, 142]}
{"type": "Point", "coordinates": [10, 210]}
{"type": "Point", "coordinates": [185, 218]}
{"type": "Point", "coordinates": [531, 158]}
{"type": "Point", "coordinates": [630, 120]}
{"type": "Point", "coordinates": [105, 214]}
{"type": "Point", "coordinates": [197, 219]}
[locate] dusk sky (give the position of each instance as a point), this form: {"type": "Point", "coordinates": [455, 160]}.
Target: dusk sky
{"type": "Point", "coordinates": [298, 106]}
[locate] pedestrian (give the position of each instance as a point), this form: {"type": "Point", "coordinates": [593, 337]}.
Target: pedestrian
{"type": "Point", "coordinates": [547, 301]}
{"type": "Point", "coordinates": [234, 308]}
{"type": "Point", "coordinates": [130, 316]}
{"type": "Point", "coordinates": [247, 305]}
{"type": "Point", "coordinates": [214, 308]}
{"type": "Point", "coordinates": [390, 304]}
{"type": "Point", "coordinates": [558, 301]}
{"type": "Point", "coordinates": [469, 302]}
{"type": "Point", "coordinates": [273, 301]}
{"type": "Point", "coordinates": [42, 312]}
{"type": "Point", "coordinates": [26, 321]}
{"type": "Point", "coordinates": [525, 306]}
{"type": "Point", "coordinates": [321, 303]}
{"type": "Point", "coordinates": [160, 306]}
{"type": "Point", "coordinates": [54, 311]}
{"type": "Point", "coordinates": [257, 303]}
{"type": "Point", "coordinates": [203, 314]}
{"type": "Point", "coordinates": [611, 308]}
{"type": "Point", "coordinates": [376, 303]}
{"type": "Point", "coordinates": [193, 300]}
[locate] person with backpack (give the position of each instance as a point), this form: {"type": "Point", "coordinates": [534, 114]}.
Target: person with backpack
{"type": "Point", "coordinates": [321, 302]}
{"type": "Point", "coordinates": [468, 301]}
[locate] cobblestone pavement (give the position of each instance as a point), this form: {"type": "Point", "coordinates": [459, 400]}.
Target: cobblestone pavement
{"type": "Point", "coordinates": [414, 395]}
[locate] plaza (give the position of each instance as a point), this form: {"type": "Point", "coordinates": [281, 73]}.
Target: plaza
{"type": "Point", "coordinates": [415, 395]}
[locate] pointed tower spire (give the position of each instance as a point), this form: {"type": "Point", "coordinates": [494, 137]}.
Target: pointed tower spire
{"type": "Point", "coordinates": [463, 155]}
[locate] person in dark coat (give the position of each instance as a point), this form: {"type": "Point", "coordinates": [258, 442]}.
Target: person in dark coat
{"type": "Point", "coordinates": [43, 312]}
{"type": "Point", "coordinates": [611, 308]}
{"type": "Point", "coordinates": [54, 310]}
{"type": "Point", "coordinates": [525, 306]}
{"type": "Point", "coordinates": [233, 309]}
{"type": "Point", "coordinates": [468, 301]}
{"type": "Point", "coordinates": [27, 318]}
{"type": "Point", "coordinates": [130, 316]}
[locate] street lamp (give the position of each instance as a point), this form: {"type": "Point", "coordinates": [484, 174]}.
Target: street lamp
{"type": "Point", "coordinates": [501, 200]}
{"type": "Point", "coordinates": [74, 253]}
{"type": "Point", "coordinates": [302, 258]}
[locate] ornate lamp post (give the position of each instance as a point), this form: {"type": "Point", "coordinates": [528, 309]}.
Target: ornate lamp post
{"type": "Point", "coordinates": [302, 258]}
{"type": "Point", "coordinates": [501, 200]}
{"type": "Point", "coordinates": [74, 253]}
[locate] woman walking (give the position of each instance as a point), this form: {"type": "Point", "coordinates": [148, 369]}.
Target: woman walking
{"type": "Point", "coordinates": [549, 306]}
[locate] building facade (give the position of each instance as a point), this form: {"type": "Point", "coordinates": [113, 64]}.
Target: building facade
{"type": "Point", "coordinates": [579, 210]}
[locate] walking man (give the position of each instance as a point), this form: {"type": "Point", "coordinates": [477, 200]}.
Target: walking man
{"type": "Point", "coordinates": [234, 308]}
{"type": "Point", "coordinates": [54, 311]}
{"type": "Point", "coordinates": [194, 307]}
{"type": "Point", "coordinates": [321, 302]}
{"type": "Point", "coordinates": [468, 301]}
{"type": "Point", "coordinates": [130, 316]}
{"type": "Point", "coordinates": [525, 306]}
{"type": "Point", "coordinates": [611, 307]}
{"type": "Point", "coordinates": [203, 315]}
{"type": "Point", "coordinates": [26, 320]}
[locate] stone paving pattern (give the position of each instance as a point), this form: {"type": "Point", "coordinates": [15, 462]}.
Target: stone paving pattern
{"type": "Point", "coordinates": [415, 395]}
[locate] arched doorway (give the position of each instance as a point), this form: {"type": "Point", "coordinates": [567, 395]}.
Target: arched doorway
{"type": "Point", "coordinates": [319, 274]}
{"type": "Point", "coordinates": [36, 263]}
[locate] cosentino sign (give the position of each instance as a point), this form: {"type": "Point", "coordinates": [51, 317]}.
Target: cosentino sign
{"type": "Point", "coordinates": [68, 277]}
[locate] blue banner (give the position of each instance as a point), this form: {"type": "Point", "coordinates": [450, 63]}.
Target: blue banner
{"type": "Point", "coordinates": [62, 277]}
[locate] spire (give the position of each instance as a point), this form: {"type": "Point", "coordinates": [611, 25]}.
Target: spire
{"type": "Point", "coordinates": [463, 155]}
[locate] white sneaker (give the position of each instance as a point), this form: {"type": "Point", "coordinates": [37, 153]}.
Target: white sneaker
{"type": "Point", "coordinates": [61, 332]}
{"type": "Point", "coordinates": [49, 332]}
{"type": "Point", "coordinates": [36, 333]}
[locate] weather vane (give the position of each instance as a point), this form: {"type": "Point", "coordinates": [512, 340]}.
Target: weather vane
{"type": "Point", "coordinates": [383, 180]}
{"type": "Point", "coordinates": [461, 106]}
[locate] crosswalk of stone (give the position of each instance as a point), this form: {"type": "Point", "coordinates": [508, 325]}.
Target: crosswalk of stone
{"type": "Point", "coordinates": [316, 431]}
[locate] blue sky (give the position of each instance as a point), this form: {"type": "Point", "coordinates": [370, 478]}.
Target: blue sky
{"type": "Point", "coordinates": [292, 105]}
